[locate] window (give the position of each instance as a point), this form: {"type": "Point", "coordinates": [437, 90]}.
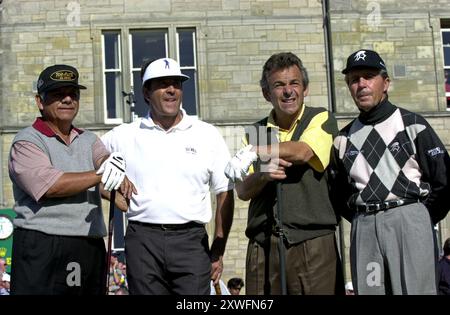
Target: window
{"type": "Point", "coordinates": [186, 57]}
{"type": "Point", "coordinates": [143, 45]}
{"type": "Point", "coordinates": [112, 74]}
{"type": "Point", "coordinates": [446, 51]}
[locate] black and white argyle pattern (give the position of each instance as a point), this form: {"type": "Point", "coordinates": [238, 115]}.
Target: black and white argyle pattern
{"type": "Point", "coordinates": [381, 159]}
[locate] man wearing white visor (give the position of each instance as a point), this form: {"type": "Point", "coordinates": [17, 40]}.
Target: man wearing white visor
{"type": "Point", "coordinates": [174, 160]}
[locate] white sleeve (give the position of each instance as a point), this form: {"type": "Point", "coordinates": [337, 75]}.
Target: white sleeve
{"type": "Point", "coordinates": [219, 182]}
{"type": "Point", "coordinates": [109, 139]}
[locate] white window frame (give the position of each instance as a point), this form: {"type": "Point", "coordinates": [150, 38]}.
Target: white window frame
{"type": "Point", "coordinates": [445, 30]}
{"type": "Point", "coordinates": [194, 47]}
{"type": "Point", "coordinates": [130, 58]}
{"type": "Point", "coordinates": [126, 68]}
{"type": "Point", "coordinates": [107, 120]}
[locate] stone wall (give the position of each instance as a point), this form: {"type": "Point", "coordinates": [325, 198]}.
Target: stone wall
{"type": "Point", "coordinates": [234, 38]}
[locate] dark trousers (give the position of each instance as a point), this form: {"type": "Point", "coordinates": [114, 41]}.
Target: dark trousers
{"type": "Point", "coordinates": [161, 262]}
{"type": "Point", "coordinates": [313, 267]}
{"type": "Point", "coordinates": [56, 265]}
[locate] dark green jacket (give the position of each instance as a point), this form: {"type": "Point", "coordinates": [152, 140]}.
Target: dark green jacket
{"type": "Point", "coordinates": [306, 208]}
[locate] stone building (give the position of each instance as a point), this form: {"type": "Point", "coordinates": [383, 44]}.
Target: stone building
{"type": "Point", "coordinates": [222, 45]}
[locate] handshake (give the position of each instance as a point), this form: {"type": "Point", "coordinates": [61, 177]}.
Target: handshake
{"type": "Point", "coordinates": [113, 170]}
{"type": "Point", "coordinates": [239, 165]}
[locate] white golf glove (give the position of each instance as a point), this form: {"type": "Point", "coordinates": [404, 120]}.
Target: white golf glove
{"type": "Point", "coordinates": [239, 165]}
{"type": "Point", "coordinates": [113, 170]}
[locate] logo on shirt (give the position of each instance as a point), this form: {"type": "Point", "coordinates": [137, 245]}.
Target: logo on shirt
{"type": "Point", "coordinates": [352, 153]}
{"type": "Point", "coordinates": [435, 151]}
{"type": "Point", "coordinates": [190, 150]}
{"type": "Point", "coordinates": [395, 147]}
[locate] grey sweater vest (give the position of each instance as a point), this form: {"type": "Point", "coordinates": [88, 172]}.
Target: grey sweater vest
{"type": "Point", "coordinates": [78, 215]}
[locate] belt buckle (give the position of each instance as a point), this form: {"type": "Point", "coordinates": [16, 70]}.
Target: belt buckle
{"type": "Point", "coordinates": [400, 202]}
{"type": "Point", "coordinates": [164, 227]}
{"type": "Point", "coordinates": [371, 208]}
{"type": "Point", "coordinates": [375, 208]}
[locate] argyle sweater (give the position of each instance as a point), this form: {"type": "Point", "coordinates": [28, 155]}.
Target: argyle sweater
{"type": "Point", "coordinates": [390, 153]}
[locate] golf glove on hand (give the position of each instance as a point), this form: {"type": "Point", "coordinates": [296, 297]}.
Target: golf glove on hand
{"type": "Point", "coordinates": [239, 165]}
{"type": "Point", "coordinates": [113, 170]}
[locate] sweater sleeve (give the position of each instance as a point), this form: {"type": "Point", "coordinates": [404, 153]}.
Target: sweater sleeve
{"type": "Point", "coordinates": [339, 183]}
{"type": "Point", "coordinates": [434, 162]}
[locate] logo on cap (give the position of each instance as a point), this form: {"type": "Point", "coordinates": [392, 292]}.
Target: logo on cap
{"type": "Point", "coordinates": [163, 67]}
{"type": "Point", "coordinates": [63, 75]}
{"type": "Point", "coordinates": [360, 55]}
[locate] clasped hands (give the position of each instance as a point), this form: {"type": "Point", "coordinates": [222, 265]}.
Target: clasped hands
{"type": "Point", "coordinates": [272, 166]}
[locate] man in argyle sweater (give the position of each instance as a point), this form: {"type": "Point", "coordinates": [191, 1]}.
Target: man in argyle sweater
{"type": "Point", "coordinates": [391, 173]}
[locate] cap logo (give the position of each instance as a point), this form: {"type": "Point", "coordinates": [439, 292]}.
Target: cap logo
{"type": "Point", "coordinates": [167, 64]}
{"type": "Point", "coordinates": [63, 75]}
{"type": "Point", "coordinates": [360, 55]}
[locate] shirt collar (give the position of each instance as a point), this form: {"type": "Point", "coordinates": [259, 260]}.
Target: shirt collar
{"type": "Point", "coordinates": [185, 123]}
{"type": "Point", "coordinates": [41, 126]}
{"type": "Point", "coordinates": [271, 120]}
{"type": "Point", "coordinates": [378, 114]}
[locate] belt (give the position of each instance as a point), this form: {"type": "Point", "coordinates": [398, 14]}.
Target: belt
{"type": "Point", "coordinates": [169, 227]}
{"type": "Point", "coordinates": [381, 206]}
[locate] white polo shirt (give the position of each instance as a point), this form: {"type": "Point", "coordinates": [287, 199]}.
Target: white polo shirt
{"type": "Point", "coordinates": [173, 170]}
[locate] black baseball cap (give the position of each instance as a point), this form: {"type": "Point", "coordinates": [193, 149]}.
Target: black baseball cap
{"type": "Point", "coordinates": [57, 76]}
{"type": "Point", "coordinates": [364, 58]}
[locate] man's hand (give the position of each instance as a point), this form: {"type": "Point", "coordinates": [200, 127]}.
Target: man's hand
{"type": "Point", "coordinates": [126, 191]}
{"type": "Point", "coordinates": [123, 195]}
{"type": "Point", "coordinates": [113, 170]}
{"type": "Point", "coordinates": [239, 165]}
{"type": "Point", "coordinates": [216, 270]}
{"type": "Point", "coordinates": [275, 169]}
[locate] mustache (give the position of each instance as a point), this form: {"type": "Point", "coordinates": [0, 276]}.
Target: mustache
{"type": "Point", "coordinates": [363, 93]}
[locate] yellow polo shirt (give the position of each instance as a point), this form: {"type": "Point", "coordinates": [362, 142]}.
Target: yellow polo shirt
{"type": "Point", "coordinates": [318, 139]}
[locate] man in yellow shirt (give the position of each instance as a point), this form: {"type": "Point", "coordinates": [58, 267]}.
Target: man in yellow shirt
{"type": "Point", "coordinates": [290, 148]}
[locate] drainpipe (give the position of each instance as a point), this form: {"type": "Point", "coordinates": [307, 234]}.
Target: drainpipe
{"type": "Point", "coordinates": [434, 61]}
{"type": "Point", "coordinates": [2, 201]}
{"type": "Point", "coordinates": [332, 106]}
{"type": "Point", "coordinates": [328, 55]}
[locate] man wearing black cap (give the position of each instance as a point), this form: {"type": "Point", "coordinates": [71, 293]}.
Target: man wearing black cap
{"type": "Point", "coordinates": [55, 169]}
{"type": "Point", "coordinates": [175, 160]}
{"type": "Point", "coordinates": [392, 175]}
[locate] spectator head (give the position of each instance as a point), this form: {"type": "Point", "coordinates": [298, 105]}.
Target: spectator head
{"type": "Point", "coordinates": [447, 247]}
{"type": "Point", "coordinates": [2, 265]}
{"type": "Point", "coordinates": [122, 291]}
{"type": "Point", "coordinates": [349, 288]}
{"type": "Point", "coordinates": [235, 285]}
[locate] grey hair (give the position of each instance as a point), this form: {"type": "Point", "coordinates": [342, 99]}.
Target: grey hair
{"type": "Point", "coordinates": [282, 61]}
{"type": "Point", "coordinates": [43, 95]}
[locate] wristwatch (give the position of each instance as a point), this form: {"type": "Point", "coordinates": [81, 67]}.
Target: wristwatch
{"type": "Point", "coordinates": [6, 227]}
